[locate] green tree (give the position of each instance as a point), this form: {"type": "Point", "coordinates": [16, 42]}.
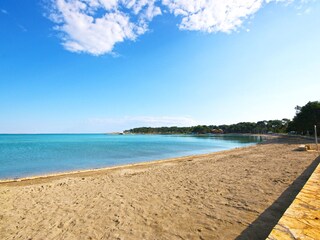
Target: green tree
{"type": "Point", "coordinates": [201, 129]}
{"type": "Point", "coordinates": [305, 119]}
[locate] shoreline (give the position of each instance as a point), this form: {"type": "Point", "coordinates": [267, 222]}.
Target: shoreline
{"type": "Point", "coordinates": [59, 174]}
{"type": "Point", "coordinates": [117, 167]}
{"type": "Point", "coordinates": [233, 194]}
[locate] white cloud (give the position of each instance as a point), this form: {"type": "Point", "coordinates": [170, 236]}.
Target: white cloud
{"type": "Point", "coordinates": [95, 26]}
{"type": "Point", "coordinates": [212, 15]}
{"type": "Point", "coordinates": [218, 15]}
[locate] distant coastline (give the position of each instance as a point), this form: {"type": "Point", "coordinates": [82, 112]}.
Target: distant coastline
{"type": "Point", "coordinates": [260, 127]}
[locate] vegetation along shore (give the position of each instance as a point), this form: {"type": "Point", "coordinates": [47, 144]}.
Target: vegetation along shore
{"type": "Point", "coordinates": [303, 123]}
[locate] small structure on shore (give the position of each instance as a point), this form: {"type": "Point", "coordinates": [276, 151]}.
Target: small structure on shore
{"type": "Point", "coordinates": [115, 133]}
{"type": "Point", "coordinates": [307, 147]}
{"type": "Point", "coordinates": [217, 131]}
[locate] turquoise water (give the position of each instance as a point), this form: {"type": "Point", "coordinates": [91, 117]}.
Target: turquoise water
{"type": "Point", "coordinates": [29, 155]}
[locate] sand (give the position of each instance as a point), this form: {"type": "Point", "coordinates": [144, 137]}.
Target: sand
{"type": "Point", "coordinates": [235, 194]}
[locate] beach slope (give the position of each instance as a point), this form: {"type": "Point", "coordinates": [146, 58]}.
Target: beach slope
{"type": "Point", "coordinates": [239, 193]}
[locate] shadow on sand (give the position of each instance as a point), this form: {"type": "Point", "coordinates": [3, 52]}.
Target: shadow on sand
{"type": "Point", "coordinates": [262, 226]}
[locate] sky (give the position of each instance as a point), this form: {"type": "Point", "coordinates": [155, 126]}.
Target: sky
{"type": "Point", "coordinates": [89, 66]}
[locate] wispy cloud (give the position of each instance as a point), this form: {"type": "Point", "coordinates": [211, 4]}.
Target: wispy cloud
{"type": "Point", "coordinates": [14, 20]}
{"type": "Point", "coordinates": [4, 11]}
{"type": "Point", "coordinates": [143, 121]}
{"type": "Point", "coordinates": [23, 29]}
{"type": "Point", "coordinates": [304, 11]}
{"type": "Point", "coordinates": [95, 26]}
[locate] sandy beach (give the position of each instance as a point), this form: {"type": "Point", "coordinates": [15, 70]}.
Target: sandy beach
{"type": "Point", "coordinates": [234, 194]}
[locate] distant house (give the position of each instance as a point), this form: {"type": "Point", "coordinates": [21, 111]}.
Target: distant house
{"type": "Point", "coordinates": [217, 131]}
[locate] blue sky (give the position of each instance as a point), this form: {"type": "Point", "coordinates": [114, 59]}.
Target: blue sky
{"type": "Point", "coordinates": [106, 65]}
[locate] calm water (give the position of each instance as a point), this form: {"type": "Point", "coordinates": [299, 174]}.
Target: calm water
{"type": "Point", "coordinates": [29, 155]}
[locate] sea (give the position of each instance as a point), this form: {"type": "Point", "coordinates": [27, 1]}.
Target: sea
{"type": "Point", "coordinates": [27, 155]}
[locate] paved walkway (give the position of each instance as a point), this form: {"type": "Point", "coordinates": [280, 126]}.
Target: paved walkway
{"type": "Point", "coordinates": [302, 219]}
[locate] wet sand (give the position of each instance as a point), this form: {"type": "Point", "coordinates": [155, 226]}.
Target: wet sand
{"type": "Point", "coordinates": [239, 193]}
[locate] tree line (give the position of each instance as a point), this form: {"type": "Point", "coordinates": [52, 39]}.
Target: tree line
{"type": "Point", "coordinates": [276, 126]}
{"type": "Point", "coordinates": [303, 123]}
